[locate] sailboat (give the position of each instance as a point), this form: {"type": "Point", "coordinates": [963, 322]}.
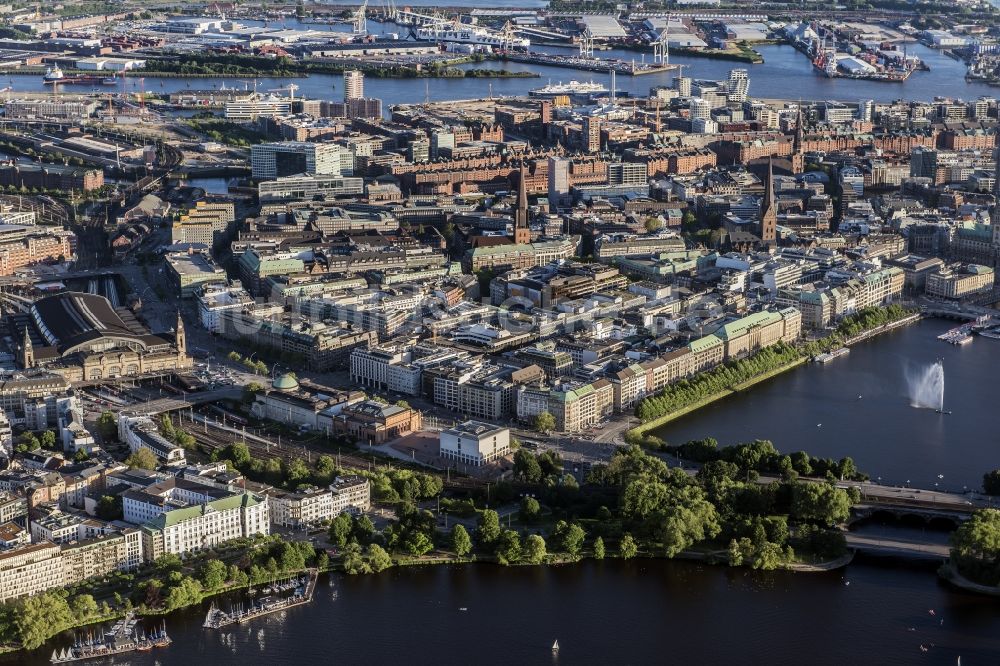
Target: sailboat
{"type": "Point", "coordinates": [555, 646]}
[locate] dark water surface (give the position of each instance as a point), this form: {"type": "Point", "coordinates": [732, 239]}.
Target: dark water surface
{"type": "Point", "coordinates": [638, 612]}
{"type": "Point", "coordinates": [816, 408]}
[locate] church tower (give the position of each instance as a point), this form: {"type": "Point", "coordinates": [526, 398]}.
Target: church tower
{"type": "Point", "coordinates": [180, 339]}
{"type": "Point", "coordinates": [768, 210]}
{"type": "Point", "coordinates": [798, 156]}
{"type": "Point", "coordinates": [522, 234]}
{"type": "Point", "coordinates": [27, 351]}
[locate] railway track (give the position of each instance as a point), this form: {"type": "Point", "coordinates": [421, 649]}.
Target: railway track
{"type": "Point", "coordinates": [218, 439]}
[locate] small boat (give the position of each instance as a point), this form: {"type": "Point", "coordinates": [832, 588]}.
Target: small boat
{"type": "Point", "coordinates": [946, 413]}
{"type": "Point", "coordinates": [555, 646]}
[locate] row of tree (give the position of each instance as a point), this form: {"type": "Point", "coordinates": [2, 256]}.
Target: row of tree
{"type": "Point", "coordinates": [855, 324]}
{"type": "Point", "coordinates": [761, 457]}
{"type": "Point", "coordinates": [689, 391]}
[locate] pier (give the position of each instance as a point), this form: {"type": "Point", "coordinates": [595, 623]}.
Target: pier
{"type": "Point", "coordinates": [121, 639]}
{"type": "Point", "coordinates": [304, 589]}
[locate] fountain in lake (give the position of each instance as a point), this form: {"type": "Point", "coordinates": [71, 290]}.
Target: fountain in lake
{"type": "Point", "coordinates": [926, 386]}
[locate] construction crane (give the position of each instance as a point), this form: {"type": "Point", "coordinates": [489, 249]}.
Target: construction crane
{"type": "Point", "coordinates": [361, 19]}
{"type": "Point", "coordinates": [661, 47]}
{"type": "Point", "coordinates": [587, 44]}
{"type": "Point", "coordinates": [291, 88]}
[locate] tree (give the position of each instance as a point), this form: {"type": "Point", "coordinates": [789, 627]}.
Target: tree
{"type": "Point", "coordinates": [239, 453]}
{"type": "Point", "coordinates": [509, 547]}
{"type": "Point", "coordinates": [27, 442]}
{"type": "Point", "coordinates": [213, 574]}
{"type": "Point", "coordinates": [530, 508]}
{"type": "Point", "coordinates": [41, 616]}
{"type": "Point", "coordinates": [534, 549]}
{"type": "Point", "coordinates": [353, 562]}
{"type": "Point", "coordinates": [598, 548]}
{"type": "Point", "coordinates": [418, 543]}
{"type": "Point", "coordinates": [324, 468]}
{"type": "Point", "coordinates": [84, 608]}
{"type": "Point", "coordinates": [569, 537]}
{"type": "Point", "coordinates": [109, 507]}
{"type": "Point", "coordinates": [250, 392]}
{"type": "Point", "coordinates": [653, 223]}
{"type": "Point", "coordinates": [526, 467]}
{"type": "Point", "coordinates": [627, 547]}
{"type": "Point", "coordinates": [975, 547]}
{"type": "Point", "coordinates": [460, 541]}
{"type": "Point", "coordinates": [675, 513]}
{"type": "Point", "coordinates": [48, 440]}
{"type": "Point", "coordinates": [488, 528]}
{"type": "Point", "coordinates": [820, 502]}
{"type": "Point", "coordinates": [142, 459]}
{"type": "Point", "coordinates": [107, 425]}
{"type": "Point", "coordinates": [991, 482]}
{"type": "Point", "coordinates": [545, 422]}
{"type": "Point", "coordinates": [363, 529]}
{"type": "Point", "coordinates": [378, 559]}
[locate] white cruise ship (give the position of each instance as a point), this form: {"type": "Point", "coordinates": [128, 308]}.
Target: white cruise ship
{"type": "Point", "coordinates": [476, 36]}
{"type": "Point", "coordinates": [571, 89]}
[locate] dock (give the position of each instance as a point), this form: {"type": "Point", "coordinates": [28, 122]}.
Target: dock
{"type": "Point", "coordinates": [589, 64]}
{"type": "Point", "coordinates": [304, 587]}
{"type": "Point", "coordinates": [121, 639]}
{"type": "Point", "coordinates": [829, 356]}
{"type": "Point", "coordinates": [958, 336]}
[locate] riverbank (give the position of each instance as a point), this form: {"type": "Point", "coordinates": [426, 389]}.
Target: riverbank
{"type": "Point", "coordinates": [949, 573]}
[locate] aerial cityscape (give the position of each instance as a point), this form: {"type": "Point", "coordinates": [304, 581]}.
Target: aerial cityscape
{"type": "Point", "coordinates": [361, 332]}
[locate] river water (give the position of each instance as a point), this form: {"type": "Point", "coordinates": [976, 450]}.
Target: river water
{"type": "Point", "coordinates": [637, 612]}
{"type": "Point", "coordinates": [859, 406]}
{"type": "Point", "coordinates": [785, 74]}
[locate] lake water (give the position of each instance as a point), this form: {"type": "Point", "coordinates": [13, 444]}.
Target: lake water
{"type": "Point", "coordinates": [637, 612]}
{"type": "Point", "coordinates": [817, 408]}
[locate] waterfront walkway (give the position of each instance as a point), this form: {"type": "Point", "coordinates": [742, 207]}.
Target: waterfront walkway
{"type": "Point", "coordinates": [876, 545]}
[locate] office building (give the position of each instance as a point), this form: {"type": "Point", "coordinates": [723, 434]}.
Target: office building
{"type": "Point", "coordinates": [292, 158]}
{"type": "Point", "coordinates": [475, 443]}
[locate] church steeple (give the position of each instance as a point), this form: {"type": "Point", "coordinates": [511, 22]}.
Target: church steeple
{"type": "Point", "coordinates": [522, 234]}
{"type": "Point", "coordinates": [799, 131]}
{"type": "Point", "coordinates": [180, 339]}
{"type": "Point", "coordinates": [27, 351]}
{"type": "Point", "coordinates": [798, 158]}
{"type": "Point", "coordinates": [768, 209]}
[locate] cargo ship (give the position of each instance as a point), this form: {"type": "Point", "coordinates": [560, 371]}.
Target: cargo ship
{"type": "Point", "coordinates": [54, 76]}
{"type": "Point", "coordinates": [474, 36]}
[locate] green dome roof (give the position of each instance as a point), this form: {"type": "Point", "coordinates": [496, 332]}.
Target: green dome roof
{"type": "Point", "coordinates": [286, 382]}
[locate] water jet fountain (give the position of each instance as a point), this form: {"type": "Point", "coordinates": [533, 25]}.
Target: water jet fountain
{"type": "Point", "coordinates": [926, 387]}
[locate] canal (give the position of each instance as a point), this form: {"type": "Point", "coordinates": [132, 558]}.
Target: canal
{"type": "Point", "coordinates": [859, 406]}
